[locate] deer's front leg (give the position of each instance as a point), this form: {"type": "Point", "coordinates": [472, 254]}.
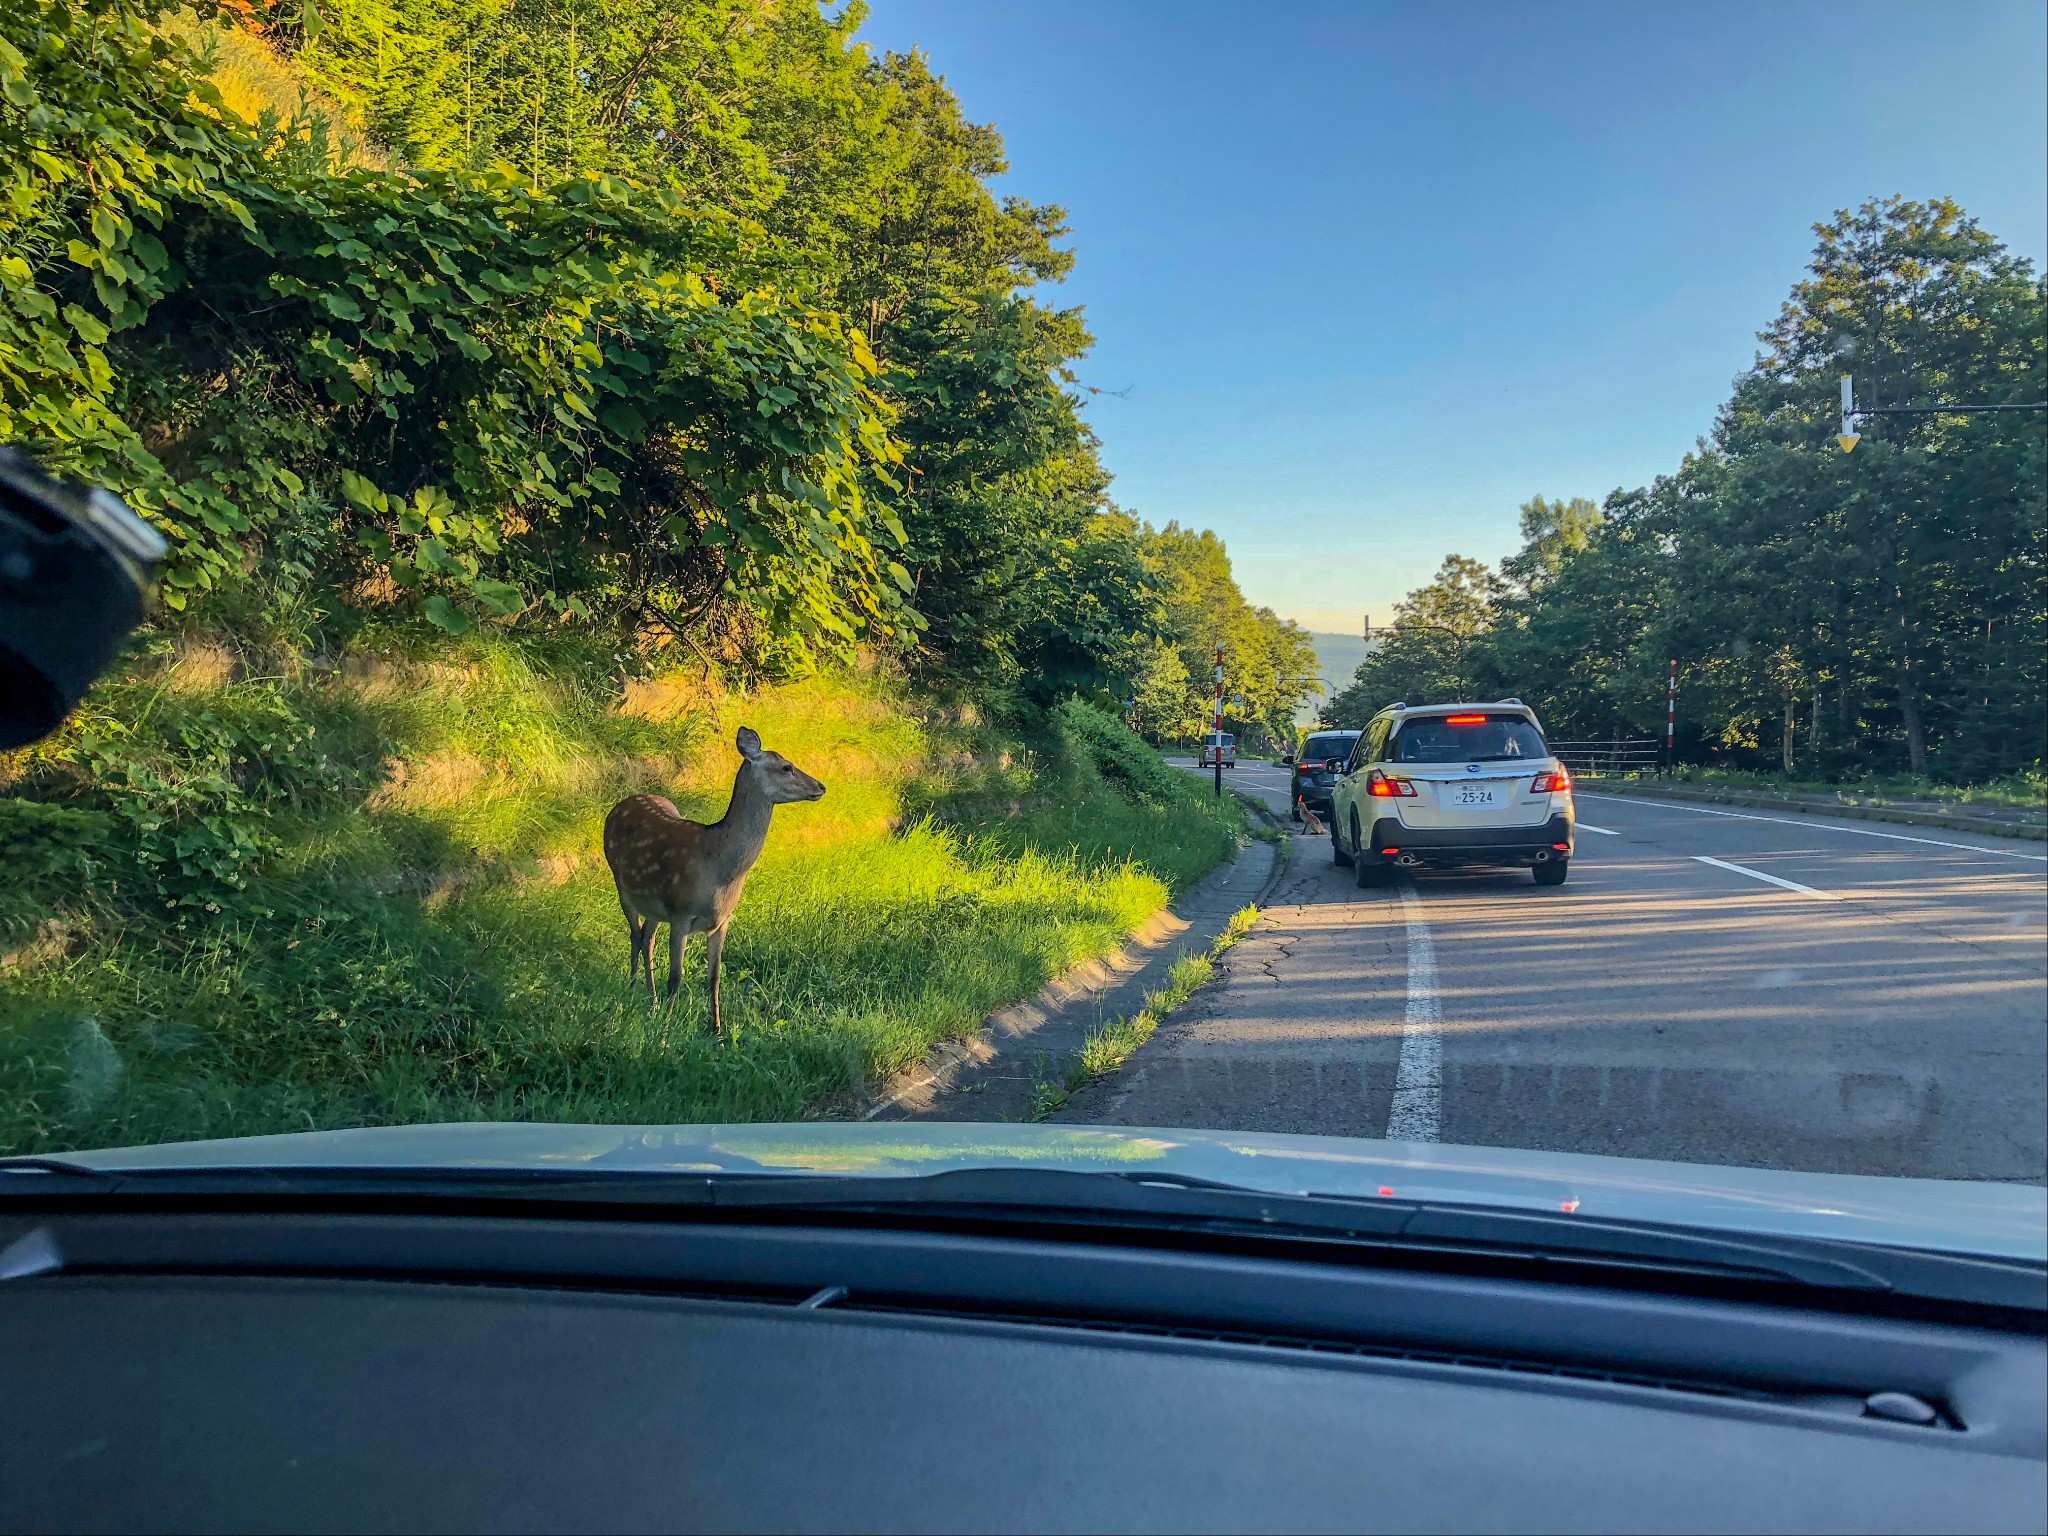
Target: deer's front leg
{"type": "Point", "coordinates": [678, 941]}
{"type": "Point", "coordinates": [714, 953]}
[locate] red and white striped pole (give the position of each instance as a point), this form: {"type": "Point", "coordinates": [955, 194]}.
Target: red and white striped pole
{"type": "Point", "coordinates": [1671, 721]}
{"type": "Point", "coordinates": [1217, 743]}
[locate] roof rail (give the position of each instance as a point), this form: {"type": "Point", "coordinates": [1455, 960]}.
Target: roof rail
{"type": "Point", "coordinates": [1513, 701]}
{"type": "Point", "coordinates": [1402, 705]}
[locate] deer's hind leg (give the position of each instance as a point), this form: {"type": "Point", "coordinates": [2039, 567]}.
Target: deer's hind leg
{"type": "Point", "coordinates": [632, 949]}
{"type": "Point", "coordinates": [639, 939]}
{"type": "Point", "coordinates": [643, 951]}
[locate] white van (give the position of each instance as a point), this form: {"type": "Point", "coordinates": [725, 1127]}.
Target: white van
{"type": "Point", "coordinates": [1219, 744]}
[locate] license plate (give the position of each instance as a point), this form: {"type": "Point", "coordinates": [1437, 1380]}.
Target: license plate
{"type": "Point", "coordinates": [1473, 794]}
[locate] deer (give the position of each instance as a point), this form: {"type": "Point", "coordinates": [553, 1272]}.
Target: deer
{"type": "Point", "coordinates": [689, 875]}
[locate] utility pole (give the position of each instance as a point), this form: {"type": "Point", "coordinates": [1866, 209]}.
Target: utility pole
{"type": "Point", "coordinates": [1671, 722]}
{"type": "Point", "coordinates": [1217, 744]}
{"type": "Point", "coordinates": [1850, 437]}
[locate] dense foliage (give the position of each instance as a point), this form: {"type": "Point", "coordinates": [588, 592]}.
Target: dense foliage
{"type": "Point", "coordinates": [1878, 610]}
{"type": "Point", "coordinates": [674, 318]}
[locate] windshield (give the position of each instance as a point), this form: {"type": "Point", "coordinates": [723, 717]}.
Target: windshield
{"type": "Point", "coordinates": [1321, 748]}
{"type": "Point", "coordinates": [1478, 739]}
{"type": "Point", "coordinates": [747, 572]}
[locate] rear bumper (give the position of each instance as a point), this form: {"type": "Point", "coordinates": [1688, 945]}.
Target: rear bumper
{"type": "Point", "coordinates": [1477, 845]}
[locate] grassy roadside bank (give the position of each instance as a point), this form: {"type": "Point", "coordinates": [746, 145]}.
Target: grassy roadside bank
{"type": "Point", "coordinates": [2019, 791]}
{"type": "Point", "coordinates": [247, 902]}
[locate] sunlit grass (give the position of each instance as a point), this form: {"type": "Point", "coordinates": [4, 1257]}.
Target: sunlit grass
{"type": "Point", "coordinates": [445, 944]}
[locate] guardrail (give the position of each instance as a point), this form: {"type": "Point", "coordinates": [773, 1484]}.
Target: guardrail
{"type": "Point", "coordinates": [1642, 755]}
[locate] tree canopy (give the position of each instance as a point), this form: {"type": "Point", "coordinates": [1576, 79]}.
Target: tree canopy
{"type": "Point", "coordinates": [1834, 612]}
{"type": "Point", "coordinates": [693, 319]}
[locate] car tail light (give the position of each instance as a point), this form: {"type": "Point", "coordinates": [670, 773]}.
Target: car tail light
{"type": "Point", "coordinates": [1381, 787]}
{"type": "Point", "coordinates": [1557, 782]}
{"type": "Point", "coordinates": [1562, 847]}
{"type": "Point", "coordinates": [1464, 719]}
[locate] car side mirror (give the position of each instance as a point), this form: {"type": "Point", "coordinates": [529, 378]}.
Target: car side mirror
{"type": "Point", "coordinates": [1287, 761]}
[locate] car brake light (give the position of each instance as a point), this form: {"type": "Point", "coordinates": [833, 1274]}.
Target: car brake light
{"type": "Point", "coordinates": [1562, 847]}
{"type": "Point", "coordinates": [1389, 852]}
{"type": "Point", "coordinates": [1381, 787]}
{"type": "Point", "coordinates": [1464, 719]}
{"type": "Point", "coordinates": [1556, 782]}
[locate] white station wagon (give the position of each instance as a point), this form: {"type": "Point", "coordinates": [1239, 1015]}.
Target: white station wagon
{"type": "Point", "coordinates": [1444, 784]}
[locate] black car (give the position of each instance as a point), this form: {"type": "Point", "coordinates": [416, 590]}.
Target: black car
{"type": "Point", "coordinates": [1316, 770]}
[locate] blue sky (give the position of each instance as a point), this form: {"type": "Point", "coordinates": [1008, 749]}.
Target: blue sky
{"type": "Point", "coordinates": [1374, 274]}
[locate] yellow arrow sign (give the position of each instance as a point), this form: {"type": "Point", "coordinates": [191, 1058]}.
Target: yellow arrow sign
{"type": "Point", "coordinates": [1849, 440]}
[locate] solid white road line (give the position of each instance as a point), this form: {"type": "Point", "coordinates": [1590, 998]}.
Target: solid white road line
{"type": "Point", "coordinates": [1587, 826]}
{"type": "Point", "coordinates": [1417, 1112]}
{"type": "Point", "coordinates": [1821, 826]}
{"type": "Point", "coordinates": [1757, 874]}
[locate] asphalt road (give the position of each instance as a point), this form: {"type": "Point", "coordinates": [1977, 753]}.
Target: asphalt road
{"type": "Point", "coordinates": [1709, 986]}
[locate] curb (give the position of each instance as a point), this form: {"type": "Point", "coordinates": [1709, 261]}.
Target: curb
{"type": "Point", "coordinates": [1978, 824]}
{"type": "Point", "coordinates": [1015, 1034]}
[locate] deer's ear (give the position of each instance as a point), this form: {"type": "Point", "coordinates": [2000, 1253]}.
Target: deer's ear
{"type": "Point", "coordinates": [748, 743]}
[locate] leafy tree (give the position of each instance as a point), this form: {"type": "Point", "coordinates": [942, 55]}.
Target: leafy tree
{"type": "Point", "coordinates": [1844, 613]}
{"type": "Point", "coordinates": [483, 396]}
{"type": "Point", "coordinates": [1425, 657]}
{"type": "Point", "coordinates": [1552, 533]}
{"type": "Point", "coordinates": [682, 316]}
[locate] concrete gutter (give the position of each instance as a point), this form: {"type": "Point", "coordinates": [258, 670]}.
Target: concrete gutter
{"type": "Point", "coordinates": [994, 1073]}
{"type": "Point", "coordinates": [1952, 821]}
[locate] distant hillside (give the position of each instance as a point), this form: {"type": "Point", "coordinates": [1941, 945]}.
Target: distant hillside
{"type": "Point", "coordinates": [1337, 657]}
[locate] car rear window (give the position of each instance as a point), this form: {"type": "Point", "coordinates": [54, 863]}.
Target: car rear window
{"type": "Point", "coordinates": [1474, 738]}
{"type": "Point", "coordinates": [1221, 741]}
{"type": "Point", "coordinates": [1321, 747]}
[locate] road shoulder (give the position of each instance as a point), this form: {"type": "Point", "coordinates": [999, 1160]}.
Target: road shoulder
{"type": "Point", "coordinates": [993, 1075]}
{"type": "Point", "coordinates": [1988, 826]}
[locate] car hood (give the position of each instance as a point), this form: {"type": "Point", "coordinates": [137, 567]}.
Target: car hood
{"type": "Point", "coordinates": [2007, 1221]}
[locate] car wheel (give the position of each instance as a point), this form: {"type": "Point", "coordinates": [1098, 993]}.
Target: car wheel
{"type": "Point", "coordinates": [1337, 853]}
{"type": "Point", "coordinates": [1369, 872]}
{"type": "Point", "coordinates": [1552, 871]}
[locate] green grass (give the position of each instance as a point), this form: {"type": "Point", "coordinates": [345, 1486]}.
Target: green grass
{"type": "Point", "coordinates": [1109, 1047]}
{"type": "Point", "coordinates": [433, 935]}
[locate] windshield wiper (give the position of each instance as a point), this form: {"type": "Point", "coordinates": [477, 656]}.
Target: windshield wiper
{"type": "Point", "coordinates": [1148, 1201]}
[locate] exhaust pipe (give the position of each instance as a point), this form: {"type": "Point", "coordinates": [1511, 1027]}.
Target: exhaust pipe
{"type": "Point", "coordinates": [1542, 855]}
{"type": "Point", "coordinates": [1408, 861]}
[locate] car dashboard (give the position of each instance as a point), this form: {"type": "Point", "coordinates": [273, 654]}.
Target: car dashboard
{"type": "Point", "coordinates": [241, 1367]}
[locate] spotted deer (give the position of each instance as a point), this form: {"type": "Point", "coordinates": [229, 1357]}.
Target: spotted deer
{"type": "Point", "coordinates": [688, 875]}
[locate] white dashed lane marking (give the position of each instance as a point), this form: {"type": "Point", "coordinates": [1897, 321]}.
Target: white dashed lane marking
{"type": "Point", "coordinates": [1757, 874]}
{"type": "Point", "coordinates": [1587, 826]}
{"type": "Point", "coordinates": [1417, 1111]}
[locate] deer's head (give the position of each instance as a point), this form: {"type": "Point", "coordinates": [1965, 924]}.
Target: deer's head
{"type": "Point", "coordinates": [779, 778]}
